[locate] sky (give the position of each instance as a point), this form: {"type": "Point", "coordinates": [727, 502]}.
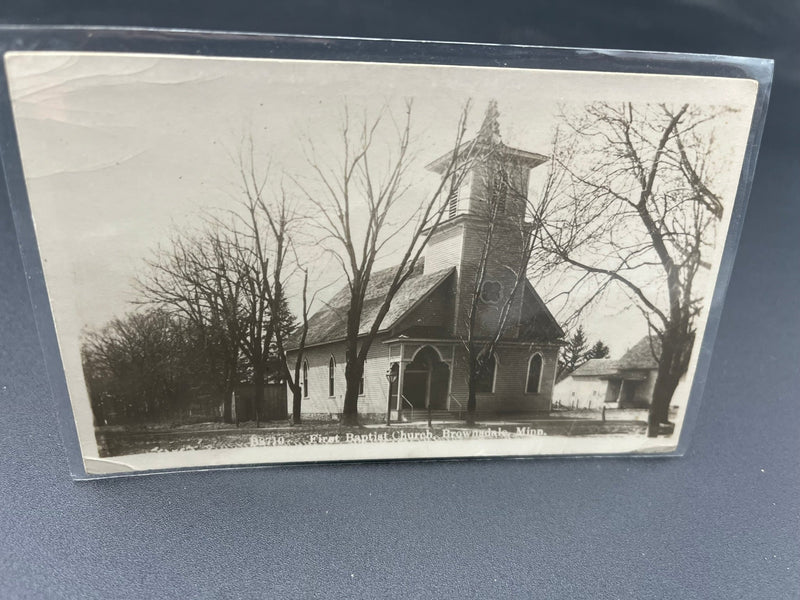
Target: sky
{"type": "Point", "coordinates": [120, 151]}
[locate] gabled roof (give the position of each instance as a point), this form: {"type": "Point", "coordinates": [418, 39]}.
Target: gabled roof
{"type": "Point", "coordinates": [596, 367]}
{"type": "Point", "coordinates": [537, 322]}
{"type": "Point", "coordinates": [330, 323]}
{"type": "Point", "coordinates": [642, 355]}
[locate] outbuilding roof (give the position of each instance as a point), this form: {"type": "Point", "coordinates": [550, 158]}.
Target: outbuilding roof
{"type": "Point", "coordinates": [596, 367]}
{"type": "Point", "coordinates": [640, 357]}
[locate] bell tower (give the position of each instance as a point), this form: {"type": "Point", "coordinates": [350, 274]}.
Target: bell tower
{"type": "Point", "coordinates": [482, 233]}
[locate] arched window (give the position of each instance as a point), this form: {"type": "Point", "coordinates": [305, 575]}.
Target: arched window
{"type": "Point", "coordinates": [331, 377]}
{"type": "Point", "coordinates": [305, 379]}
{"type": "Point", "coordinates": [486, 376]}
{"type": "Point", "coordinates": [534, 382]}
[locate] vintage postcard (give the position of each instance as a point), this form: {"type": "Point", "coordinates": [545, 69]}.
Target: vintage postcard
{"type": "Point", "coordinates": [271, 260]}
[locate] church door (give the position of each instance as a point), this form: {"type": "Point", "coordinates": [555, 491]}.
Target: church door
{"type": "Point", "coordinates": [426, 380]}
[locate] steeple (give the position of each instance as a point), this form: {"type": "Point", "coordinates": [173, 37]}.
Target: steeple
{"type": "Point", "coordinates": [496, 184]}
{"type": "Point", "coordinates": [489, 133]}
{"type": "Point", "coordinates": [484, 153]}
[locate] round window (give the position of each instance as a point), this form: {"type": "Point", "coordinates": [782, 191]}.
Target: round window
{"type": "Point", "coordinates": [491, 292]}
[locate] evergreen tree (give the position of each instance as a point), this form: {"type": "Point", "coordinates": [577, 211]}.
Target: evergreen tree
{"type": "Point", "coordinates": [573, 355]}
{"type": "Point", "coordinates": [599, 350]}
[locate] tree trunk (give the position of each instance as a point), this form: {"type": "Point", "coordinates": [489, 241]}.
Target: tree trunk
{"type": "Point", "coordinates": [97, 409]}
{"type": "Point", "coordinates": [228, 389]}
{"type": "Point", "coordinates": [471, 404]}
{"type": "Point", "coordinates": [472, 380]}
{"type": "Point", "coordinates": [258, 394]}
{"type": "Point", "coordinates": [227, 402]}
{"type": "Point", "coordinates": [662, 396]}
{"type": "Point", "coordinates": [352, 373]}
{"type": "Point", "coordinates": [297, 399]}
{"type": "Point", "coordinates": [675, 350]}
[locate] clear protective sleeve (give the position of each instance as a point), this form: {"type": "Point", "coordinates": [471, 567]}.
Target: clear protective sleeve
{"type": "Point", "coordinates": [250, 46]}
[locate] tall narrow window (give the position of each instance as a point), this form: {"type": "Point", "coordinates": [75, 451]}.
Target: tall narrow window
{"type": "Point", "coordinates": [486, 373]}
{"type": "Point", "coordinates": [305, 379]}
{"type": "Point", "coordinates": [534, 374]}
{"type": "Point", "coordinates": [361, 384]}
{"type": "Point", "coordinates": [331, 377]}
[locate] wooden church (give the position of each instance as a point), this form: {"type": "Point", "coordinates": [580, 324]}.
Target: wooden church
{"type": "Point", "coordinates": [419, 359]}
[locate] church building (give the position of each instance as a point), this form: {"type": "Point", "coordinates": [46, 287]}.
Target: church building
{"type": "Point", "coordinates": [419, 357]}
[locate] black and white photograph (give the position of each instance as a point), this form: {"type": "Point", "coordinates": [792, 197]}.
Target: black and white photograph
{"type": "Point", "coordinates": [255, 261]}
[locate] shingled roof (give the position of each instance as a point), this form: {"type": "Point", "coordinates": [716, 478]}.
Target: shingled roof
{"type": "Point", "coordinates": [596, 367]}
{"type": "Point", "coordinates": [330, 323]}
{"type": "Point", "coordinates": [640, 356]}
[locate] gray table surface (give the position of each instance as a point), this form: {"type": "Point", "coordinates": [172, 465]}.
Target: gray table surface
{"type": "Point", "coordinates": [721, 522]}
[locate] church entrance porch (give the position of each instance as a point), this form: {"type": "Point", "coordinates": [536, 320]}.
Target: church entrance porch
{"type": "Point", "coordinates": [426, 381]}
{"type": "Point", "coordinates": [419, 375]}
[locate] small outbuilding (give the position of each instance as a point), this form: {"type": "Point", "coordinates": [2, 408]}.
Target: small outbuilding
{"type": "Point", "coordinates": [626, 382]}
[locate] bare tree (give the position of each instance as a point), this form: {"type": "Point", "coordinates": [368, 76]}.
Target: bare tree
{"type": "Point", "coordinates": [635, 212]}
{"type": "Point", "coordinates": [248, 267]}
{"type": "Point", "coordinates": [271, 226]}
{"type": "Point", "coordinates": [194, 277]}
{"type": "Point", "coordinates": [355, 213]}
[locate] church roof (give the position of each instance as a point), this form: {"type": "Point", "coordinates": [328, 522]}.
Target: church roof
{"type": "Point", "coordinates": [537, 322]}
{"type": "Point", "coordinates": [330, 323]}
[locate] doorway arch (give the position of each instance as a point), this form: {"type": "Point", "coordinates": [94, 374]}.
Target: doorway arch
{"type": "Point", "coordinates": [426, 380]}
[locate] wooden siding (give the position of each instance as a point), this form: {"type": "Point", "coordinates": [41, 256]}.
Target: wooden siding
{"type": "Point", "coordinates": [510, 380]}
{"type": "Point", "coordinates": [505, 252]}
{"type": "Point", "coordinates": [519, 177]}
{"type": "Point", "coordinates": [376, 386]}
{"type": "Point", "coordinates": [593, 392]}
{"type": "Point", "coordinates": [444, 248]}
{"type": "Point", "coordinates": [583, 392]}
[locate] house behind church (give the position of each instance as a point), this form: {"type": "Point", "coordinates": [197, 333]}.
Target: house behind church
{"type": "Point", "coordinates": [419, 357]}
{"type": "Point", "coordinates": [626, 382]}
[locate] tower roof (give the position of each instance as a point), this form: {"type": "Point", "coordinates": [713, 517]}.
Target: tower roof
{"type": "Point", "coordinates": [488, 138]}
{"type": "Point", "coordinates": [489, 132]}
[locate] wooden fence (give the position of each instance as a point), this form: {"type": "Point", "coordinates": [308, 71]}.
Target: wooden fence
{"type": "Point", "coordinates": [273, 408]}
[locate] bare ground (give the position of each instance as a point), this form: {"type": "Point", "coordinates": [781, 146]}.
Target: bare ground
{"type": "Point", "coordinates": [118, 441]}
